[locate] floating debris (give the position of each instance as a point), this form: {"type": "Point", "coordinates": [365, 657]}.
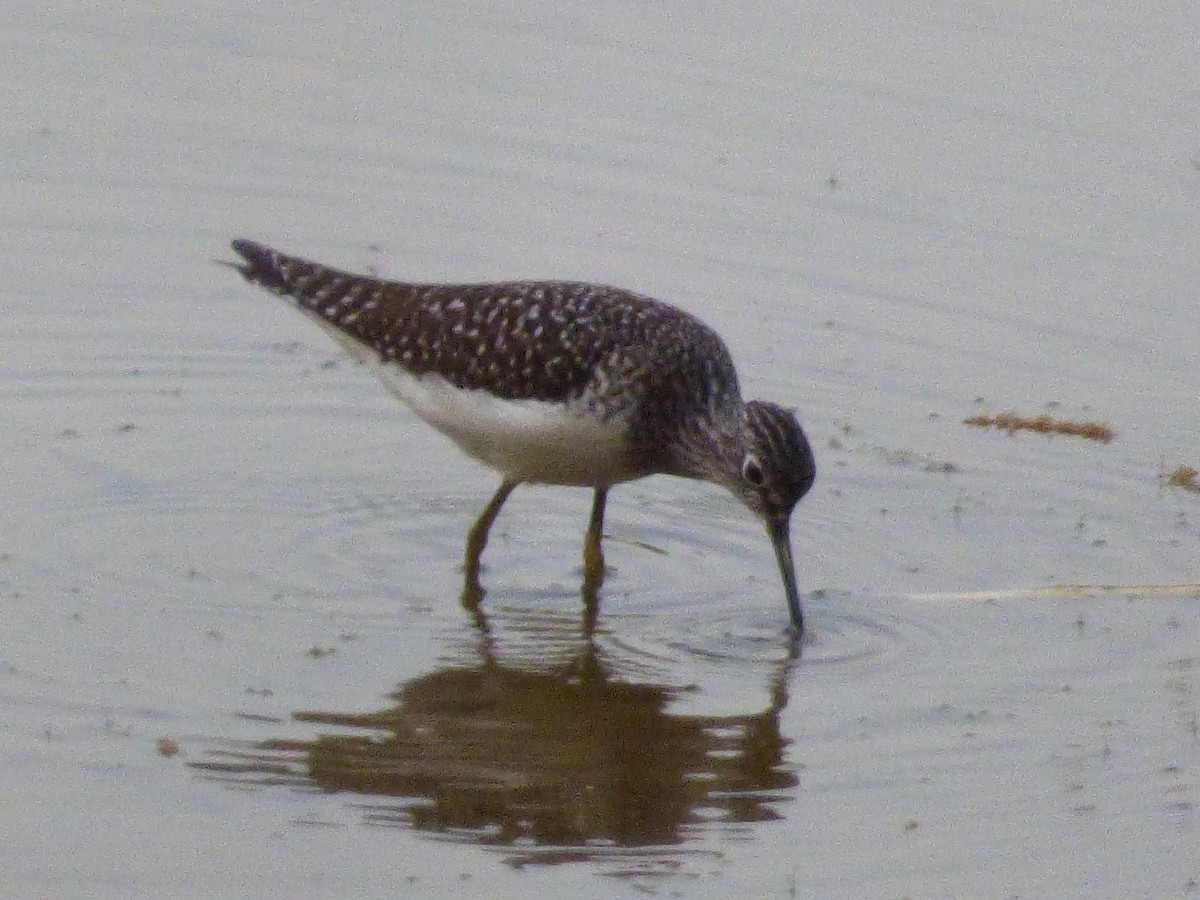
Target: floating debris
{"type": "Point", "coordinates": [1063, 590]}
{"type": "Point", "coordinates": [1184, 477]}
{"type": "Point", "coordinates": [167, 747]}
{"type": "Point", "coordinates": [1011, 422]}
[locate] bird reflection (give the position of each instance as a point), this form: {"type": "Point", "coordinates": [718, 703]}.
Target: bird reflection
{"type": "Point", "coordinates": [548, 752]}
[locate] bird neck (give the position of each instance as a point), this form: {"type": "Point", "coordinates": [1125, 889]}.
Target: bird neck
{"type": "Point", "coordinates": [711, 448]}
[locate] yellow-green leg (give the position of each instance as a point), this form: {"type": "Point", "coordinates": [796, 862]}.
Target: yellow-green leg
{"type": "Point", "coordinates": [593, 560]}
{"type": "Point", "coordinates": [593, 555]}
{"type": "Point", "coordinates": [477, 539]}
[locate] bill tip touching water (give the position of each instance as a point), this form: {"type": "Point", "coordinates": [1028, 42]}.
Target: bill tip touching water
{"type": "Point", "coordinates": [561, 382]}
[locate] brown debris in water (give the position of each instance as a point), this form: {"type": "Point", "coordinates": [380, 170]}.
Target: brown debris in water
{"type": "Point", "coordinates": [1184, 477]}
{"type": "Point", "coordinates": [1011, 422]}
{"type": "Point", "coordinates": [167, 747]}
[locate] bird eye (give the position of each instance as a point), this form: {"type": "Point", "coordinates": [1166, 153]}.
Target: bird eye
{"type": "Point", "coordinates": [752, 471]}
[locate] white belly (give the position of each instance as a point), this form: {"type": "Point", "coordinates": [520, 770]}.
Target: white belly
{"type": "Point", "coordinates": [525, 440]}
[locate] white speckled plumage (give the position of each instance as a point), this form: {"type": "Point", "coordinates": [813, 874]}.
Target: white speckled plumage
{"type": "Point", "coordinates": [564, 383]}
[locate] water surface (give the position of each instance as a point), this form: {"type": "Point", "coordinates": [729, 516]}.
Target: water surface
{"type": "Point", "coordinates": [218, 531]}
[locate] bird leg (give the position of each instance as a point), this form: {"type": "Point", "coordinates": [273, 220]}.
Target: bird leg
{"type": "Point", "coordinates": [593, 560]}
{"type": "Point", "coordinates": [477, 539]}
{"type": "Point", "coordinates": [593, 555]}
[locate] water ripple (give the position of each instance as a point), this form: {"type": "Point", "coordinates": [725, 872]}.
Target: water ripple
{"type": "Point", "coordinates": [875, 635]}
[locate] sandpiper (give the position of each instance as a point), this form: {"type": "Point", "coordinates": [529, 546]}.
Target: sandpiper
{"type": "Point", "coordinates": [561, 382]}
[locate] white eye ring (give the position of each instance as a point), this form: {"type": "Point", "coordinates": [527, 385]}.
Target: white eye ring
{"type": "Point", "coordinates": [752, 471]}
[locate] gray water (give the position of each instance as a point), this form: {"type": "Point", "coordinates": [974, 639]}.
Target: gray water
{"type": "Point", "coordinates": [218, 531]}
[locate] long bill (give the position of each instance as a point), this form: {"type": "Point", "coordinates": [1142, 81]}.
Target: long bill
{"type": "Point", "coordinates": [777, 529]}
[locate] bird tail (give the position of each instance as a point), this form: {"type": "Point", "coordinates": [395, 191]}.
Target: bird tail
{"type": "Point", "coordinates": [308, 282]}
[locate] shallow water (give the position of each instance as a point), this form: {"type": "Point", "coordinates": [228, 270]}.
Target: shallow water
{"type": "Point", "coordinates": [218, 531]}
